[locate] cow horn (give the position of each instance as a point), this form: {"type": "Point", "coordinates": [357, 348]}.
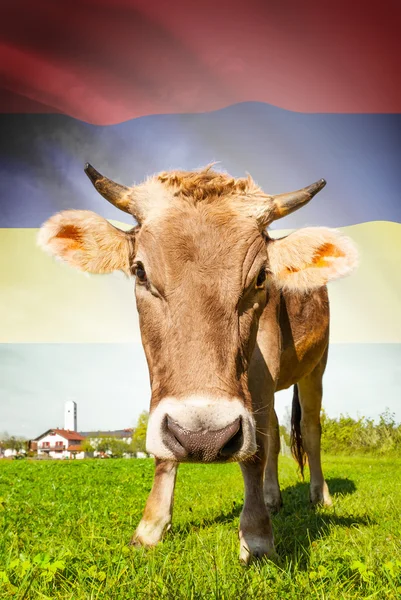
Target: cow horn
{"type": "Point", "coordinates": [284, 204]}
{"type": "Point", "coordinates": [117, 194]}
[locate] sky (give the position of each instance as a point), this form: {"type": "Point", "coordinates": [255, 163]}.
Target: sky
{"type": "Point", "coordinates": [110, 384]}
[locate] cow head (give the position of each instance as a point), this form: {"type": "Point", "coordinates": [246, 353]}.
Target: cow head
{"type": "Point", "coordinates": [204, 268]}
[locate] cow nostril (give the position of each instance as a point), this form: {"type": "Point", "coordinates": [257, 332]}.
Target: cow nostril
{"type": "Point", "coordinates": [173, 439]}
{"type": "Point", "coordinates": [234, 444]}
{"type": "Point", "coordinates": [176, 431]}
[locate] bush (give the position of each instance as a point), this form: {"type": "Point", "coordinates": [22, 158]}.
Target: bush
{"type": "Point", "coordinates": [362, 435]}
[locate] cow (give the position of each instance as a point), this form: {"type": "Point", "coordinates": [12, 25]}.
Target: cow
{"type": "Point", "coordinates": [228, 316]}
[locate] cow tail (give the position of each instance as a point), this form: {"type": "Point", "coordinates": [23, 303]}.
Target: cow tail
{"type": "Point", "coordinates": [297, 447]}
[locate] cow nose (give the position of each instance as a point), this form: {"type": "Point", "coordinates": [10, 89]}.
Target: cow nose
{"type": "Point", "coordinates": [204, 445]}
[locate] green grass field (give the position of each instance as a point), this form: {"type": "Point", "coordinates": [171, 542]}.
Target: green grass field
{"type": "Point", "coordinates": [65, 528]}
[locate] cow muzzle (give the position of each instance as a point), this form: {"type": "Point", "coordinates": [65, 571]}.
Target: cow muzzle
{"type": "Point", "coordinates": [198, 429]}
{"type": "Point", "coordinates": [205, 445]}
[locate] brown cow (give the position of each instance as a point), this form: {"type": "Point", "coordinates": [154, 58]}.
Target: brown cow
{"type": "Point", "coordinates": [228, 316]}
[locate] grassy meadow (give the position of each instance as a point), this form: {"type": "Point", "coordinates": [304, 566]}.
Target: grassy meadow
{"type": "Point", "coordinates": [65, 528]}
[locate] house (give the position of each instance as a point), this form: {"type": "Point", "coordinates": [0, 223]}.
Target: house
{"type": "Point", "coordinates": [66, 443]}
{"type": "Point", "coordinates": [59, 443]}
{"type": "Point", "coordinates": [9, 452]}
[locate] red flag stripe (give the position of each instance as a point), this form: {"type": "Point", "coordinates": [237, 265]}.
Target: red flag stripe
{"type": "Point", "coordinates": [107, 61]}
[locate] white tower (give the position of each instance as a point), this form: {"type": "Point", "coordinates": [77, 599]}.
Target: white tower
{"type": "Point", "coordinates": [70, 415]}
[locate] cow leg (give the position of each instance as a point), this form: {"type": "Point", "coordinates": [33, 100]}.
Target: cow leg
{"type": "Point", "coordinates": [272, 492]}
{"type": "Point", "coordinates": [159, 506]}
{"type": "Point", "coordinates": [310, 396]}
{"type": "Point", "coordinates": [255, 532]}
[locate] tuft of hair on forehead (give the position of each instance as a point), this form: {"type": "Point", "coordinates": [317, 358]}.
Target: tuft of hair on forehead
{"type": "Point", "coordinates": [206, 184]}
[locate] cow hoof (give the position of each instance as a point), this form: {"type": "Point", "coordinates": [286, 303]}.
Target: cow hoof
{"type": "Point", "coordinates": [148, 534]}
{"type": "Point", "coordinates": [254, 547]}
{"type": "Point", "coordinates": [320, 496]}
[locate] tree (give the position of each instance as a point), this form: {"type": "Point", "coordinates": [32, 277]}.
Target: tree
{"type": "Point", "coordinates": [14, 443]}
{"type": "Point", "coordinates": [87, 445]}
{"type": "Point", "coordinates": [111, 445]}
{"type": "Point", "coordinates": [286, 423]}
{"type": "Point", "coordinates": [285, 435]}
{"type": "Point", "coordinates": [103, 444]}
{"type": "Point", "coordinates": [118, 447]}
{"type": "Point", "coordinates": [138, 443]}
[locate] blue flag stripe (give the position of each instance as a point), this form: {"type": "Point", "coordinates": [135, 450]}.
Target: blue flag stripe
{"type": "Point", "coordinates": [42, 159]}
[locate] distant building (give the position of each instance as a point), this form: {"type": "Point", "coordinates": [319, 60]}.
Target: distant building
{"type": "Point", "coordinates": [59, 443]}
{"type": "Point", "coordinates": [95, 437]}
{"type": "Point", "coordinates": [63, 443]}
{"type": "Point", "coordinates": [67, 443]}
{"type": "Point", "coordinates": [70, 416]}
{"type": "Point", "coordinates": [121, 434]}
{"type": "Point", "coordinates": [9, 452]}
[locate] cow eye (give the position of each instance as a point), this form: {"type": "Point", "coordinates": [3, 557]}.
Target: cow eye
{"type": "Point", "coordinates": [141, 273]}
{"type": "Point", "coordinates": [261, 277]}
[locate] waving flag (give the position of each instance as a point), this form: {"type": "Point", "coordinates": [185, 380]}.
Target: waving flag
{"type": "Point", "coordinates": [287, 91]}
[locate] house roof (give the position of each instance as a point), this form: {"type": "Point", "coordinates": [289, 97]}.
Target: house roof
{"type": "Point", "coordinates": [117, 433]}
{"type": "Point", "coordinates": [67, 434]}
{"type": "Point", "coordinates": [74, 448]}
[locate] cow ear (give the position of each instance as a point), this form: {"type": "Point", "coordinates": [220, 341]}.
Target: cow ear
{"type": "Point", "coordinates": [310, 258]}
{"type": "Point", "coordinates": [87, 242]}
